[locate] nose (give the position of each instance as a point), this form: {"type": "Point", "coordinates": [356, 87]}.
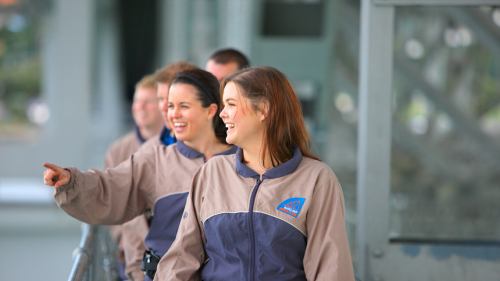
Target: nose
{"type": "Point", "coordinates": [223, 114]}
{"type": "Point", "coordinates": [174, 111]}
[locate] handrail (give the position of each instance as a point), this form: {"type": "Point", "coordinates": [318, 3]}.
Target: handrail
{"type": "Point", "coordinates": [95, 247]}
{"type": "Point", "coordinates": [94, 258]}
{"type": "Point", "coordinates": [83, 253]}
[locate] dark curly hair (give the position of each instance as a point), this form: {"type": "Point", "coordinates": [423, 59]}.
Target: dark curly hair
{"type": "Point", "coordinates": [208, 81]}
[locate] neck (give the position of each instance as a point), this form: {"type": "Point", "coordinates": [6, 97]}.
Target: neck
{"type": "Point", "coordinates": [253, 159]}
{"type": "Point", "coordinates": [148, 132]}
{"type": "Point", "coordinates": [209, 146]}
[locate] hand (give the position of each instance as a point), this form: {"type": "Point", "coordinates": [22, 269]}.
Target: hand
{"type": "Point", "coordinates": [55, 176]}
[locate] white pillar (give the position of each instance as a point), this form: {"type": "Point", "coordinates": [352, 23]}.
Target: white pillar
{"type": "Point", "coordinates": [174, 31]}
{"type": "Point", "coordinates": [109, 106]}
{"type": "Point", "coordinates": [67, 80]}
{"type": "Point", "coordinates": [67, 87]}
{"type": "Point", "coordinates": [238, 25]}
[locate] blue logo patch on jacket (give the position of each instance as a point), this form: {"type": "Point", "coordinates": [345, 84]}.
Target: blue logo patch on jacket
{"type": "Point", "coordinates": [292, 206]}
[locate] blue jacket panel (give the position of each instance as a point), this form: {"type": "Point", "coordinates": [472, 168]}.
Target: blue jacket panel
{"type": "Point", "coordinates": [165, 222]}
{"type": "Point", "coordinates": [279, 248]}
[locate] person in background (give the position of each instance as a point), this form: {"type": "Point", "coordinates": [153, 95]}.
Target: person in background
{"type": "Point", "coordinates": [272, 211]}
{"type": "Point", "coordinates": [223, 62]}
{"type": "Point", "coordinates": [155, 179]}
{"type": "Point", "coordinates": [134, 232]}
{"type": "Point", "coordinates": [148, 122]}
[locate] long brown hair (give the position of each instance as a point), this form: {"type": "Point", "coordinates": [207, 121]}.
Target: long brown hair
{"type": "Point", "coordinates": [284, 123]}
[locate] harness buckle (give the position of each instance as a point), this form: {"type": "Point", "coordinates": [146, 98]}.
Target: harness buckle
{"type": "Point", "coordinates": [149, 263]}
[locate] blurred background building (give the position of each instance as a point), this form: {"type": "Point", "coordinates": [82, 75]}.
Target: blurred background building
{"type": "Point", "coordinates": [401, 98]}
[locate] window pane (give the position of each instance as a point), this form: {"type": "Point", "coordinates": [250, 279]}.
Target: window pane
{"type": "Point", "coordinates": [445, 180]}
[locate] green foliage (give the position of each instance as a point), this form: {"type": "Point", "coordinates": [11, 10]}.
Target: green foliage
{"type": "Point", "coordinates": [20, 70]}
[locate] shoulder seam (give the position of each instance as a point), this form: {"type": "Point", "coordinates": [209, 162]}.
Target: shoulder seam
{"type": "Point", "coordinates": [176, 193]}
{"type": "Point", "coordinates": [282, 220]}
{"type": "Point", "coordinates": [220, 213]}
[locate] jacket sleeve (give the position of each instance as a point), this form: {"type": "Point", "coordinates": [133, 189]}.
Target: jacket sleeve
{"type": "Point", "coordinates": [113, 196]}
{"type": "Point", "coordinates": [327, 255]}
{"type": "Point", "coordinates": [187, 254]}
{"type": "Point", "coordinates": [133, 235]}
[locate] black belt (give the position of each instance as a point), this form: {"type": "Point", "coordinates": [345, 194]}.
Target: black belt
{"type": "Point", "coordinates": [149, 263]}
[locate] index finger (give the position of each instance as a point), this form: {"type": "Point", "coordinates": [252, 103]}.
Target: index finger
{"type": "Point", "coordinates": [51, 166]}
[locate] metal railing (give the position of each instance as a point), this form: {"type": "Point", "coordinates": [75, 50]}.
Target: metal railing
{"type": "Point", "coordinates": [95, 257]}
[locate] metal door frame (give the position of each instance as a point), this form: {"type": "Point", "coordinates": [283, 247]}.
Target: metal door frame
{"type": "Point", "coordinates": [377, 258]}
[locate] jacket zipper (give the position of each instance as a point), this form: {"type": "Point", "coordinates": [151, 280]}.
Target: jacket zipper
{"type": "Point", "coordinates": [252, 234]}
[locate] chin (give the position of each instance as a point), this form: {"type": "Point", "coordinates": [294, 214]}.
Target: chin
{"type": "Point", "coordinates": [230, 141]}
{"type": "Point", "coordinates": [182, 138]}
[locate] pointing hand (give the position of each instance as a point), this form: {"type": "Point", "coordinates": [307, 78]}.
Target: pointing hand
{"type": "Point", "coordinates": [55, 176]}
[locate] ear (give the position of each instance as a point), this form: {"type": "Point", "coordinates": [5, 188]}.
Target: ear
{"type": "Point", "coordinates": [264, 109]}
{"type": "Point", "coordinates": [212, 110]}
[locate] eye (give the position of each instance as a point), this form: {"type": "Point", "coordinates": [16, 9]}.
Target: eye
{"type": "Point", "coordinates": [170, 106]}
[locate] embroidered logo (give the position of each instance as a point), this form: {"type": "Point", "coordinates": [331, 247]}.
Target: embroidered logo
{"type": "Point", "coordinates": [292, 206]}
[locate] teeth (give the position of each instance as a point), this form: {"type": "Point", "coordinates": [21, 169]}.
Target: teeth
{"type": "Point", "coordinates": [229, 125]}
{"type": "Point", "coordinates": [180, 124]}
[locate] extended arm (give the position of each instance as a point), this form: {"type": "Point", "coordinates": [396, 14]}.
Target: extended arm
{"type": "Point", "coordinates": [110, 197]}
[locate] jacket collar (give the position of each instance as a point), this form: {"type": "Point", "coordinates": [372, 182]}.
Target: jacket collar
{"type": "Point", "coordinates": [138, 135]}
{"type": "Point", "coordinates": [279, 171]}
{"type": "Point", "coordinates": [165, 137]}
{"type": "Point", "coordinates": [191, 153]}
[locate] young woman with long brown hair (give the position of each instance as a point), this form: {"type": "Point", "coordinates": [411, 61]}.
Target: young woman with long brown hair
{"type": "Point", "coordinates": [272, 211]}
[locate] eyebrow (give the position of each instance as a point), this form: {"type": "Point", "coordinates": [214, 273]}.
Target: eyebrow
{"type": "Point", "coordinates": [229, 99]}
{"type": "Point", "coordinates": [182, 102]}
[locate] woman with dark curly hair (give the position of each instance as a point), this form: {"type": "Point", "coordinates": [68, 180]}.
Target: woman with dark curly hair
{"type": "Point", "coordinates": [155, 179]}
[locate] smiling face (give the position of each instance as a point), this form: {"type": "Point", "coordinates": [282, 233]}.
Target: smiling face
{"type": "Point", "coordinates": [245, 126]}
{"type": "Point", "coordinates": [145, 108]}
{"type": "Point", "coordinates": [188, 118]}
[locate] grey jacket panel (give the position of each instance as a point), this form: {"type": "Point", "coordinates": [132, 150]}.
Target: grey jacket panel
{"type": "Point", "coordinates": [219, 191]}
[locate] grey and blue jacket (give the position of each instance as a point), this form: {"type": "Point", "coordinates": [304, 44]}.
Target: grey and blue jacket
{"type": "Point", "coordinates": [289, 225]}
